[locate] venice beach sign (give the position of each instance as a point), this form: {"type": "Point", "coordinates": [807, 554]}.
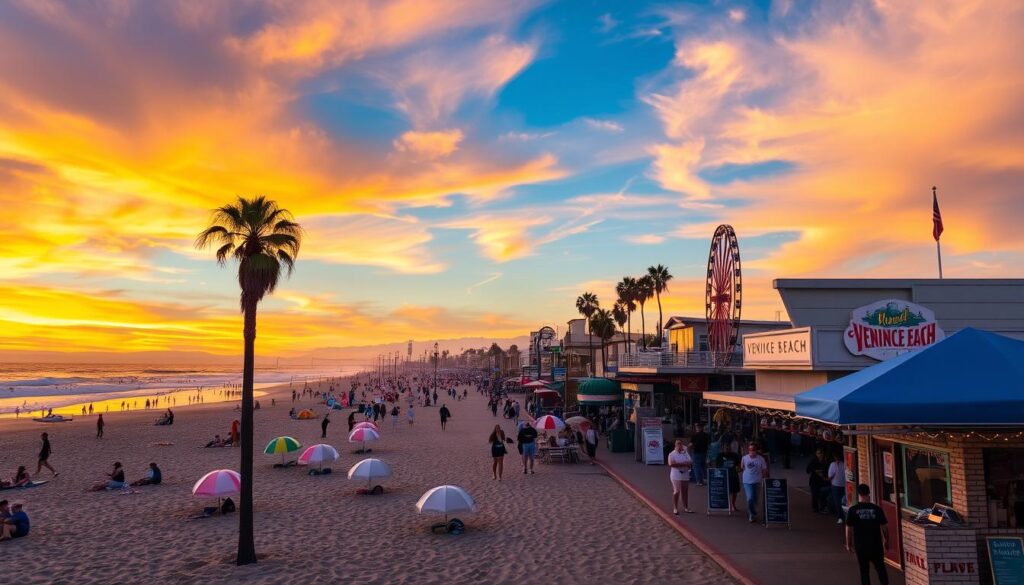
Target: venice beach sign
{"type": "Point", "coordinates": [888, 328]}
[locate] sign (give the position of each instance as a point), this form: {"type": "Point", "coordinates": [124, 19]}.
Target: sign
{"type": "Point", "coordinates": [718, 489]}
{"type": "Point", "coordinates": [887, 464]}
{"type": "Point", "coordinates": [558, 374]}
{"type": "Point", "coordinates": [888, 328]}
{"type": "Point", "coordinates": [1006, 557]}
{"type": "Point", "coordinates": [850, 463]}
{"type": "Point", "coordinates": [776, 501]}
{"type": "Point", "coordinates": [654, 451]}
{"type": "Point", "coordinates": [778, 348]}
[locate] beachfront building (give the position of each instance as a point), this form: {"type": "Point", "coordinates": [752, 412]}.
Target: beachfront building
{"type": "Point", "coordinates": [919, 383]}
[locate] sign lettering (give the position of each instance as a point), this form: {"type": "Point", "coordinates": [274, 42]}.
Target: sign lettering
{"type": "Point", "coordinates": [888, 328]}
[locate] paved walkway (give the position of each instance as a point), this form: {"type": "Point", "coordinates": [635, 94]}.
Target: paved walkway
{"type": "Point", "coordinates": [810, 553]}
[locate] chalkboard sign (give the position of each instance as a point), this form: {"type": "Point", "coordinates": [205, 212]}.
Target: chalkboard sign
{"type": "Point", "coordinates": [718, 489]}
{"type": "Point", "coordinates": [776, 501]}
{"type": "Point", "coordinates": [1006, 555]}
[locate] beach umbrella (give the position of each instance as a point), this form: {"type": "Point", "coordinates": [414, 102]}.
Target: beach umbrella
{"type": "Point", "coordinates": [362, 436]}
{"type": "Point", "coordinates": [218, 484]}
{"type": "Point", "coordinates": [369, 469]}
{"type": "Point", "coordinates": [282, 445]}
{"type": "Point", "coordinates": [366, 425]}
{"type": "Point", "coordinates": [306, 414]}
{"type": "Point", "coordinates": [578, 420]}
{"type": "Point", "coordinates": [548, 423]}
{"type": "Point", "coordinates": [536, 384]}
{"type": "Point", "coordinates": [445, 499]}
{"type": "Point", "coordinates": [317, 454]}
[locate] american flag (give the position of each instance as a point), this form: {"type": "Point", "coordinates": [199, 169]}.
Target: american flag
{"type": "Point", "coordinates": [936, 216]}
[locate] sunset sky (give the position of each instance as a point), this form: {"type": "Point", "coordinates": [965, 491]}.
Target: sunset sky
{"type": "Point", "coordinates": [467, 168]}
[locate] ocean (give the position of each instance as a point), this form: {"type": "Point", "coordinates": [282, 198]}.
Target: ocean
{"type": "Point", "coordinates": [28, 387]}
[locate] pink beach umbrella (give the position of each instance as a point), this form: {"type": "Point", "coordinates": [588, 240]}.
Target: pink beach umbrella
{"type": "Point", "coordinates": [548, 423]}
{"type": "Point", "coordinates": [317, 455]}
{"type": "Point", "coordinates": [218, 483]}
{"type": "Point", "coordinates": [366, 425]}
{"type": "Point", "coordinates": [362, 436]}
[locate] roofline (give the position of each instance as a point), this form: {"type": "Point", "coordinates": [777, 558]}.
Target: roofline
{"type": "Point", "coordinates": [823, 283]}
{"type": "Point", "coordinates": [742, 321]}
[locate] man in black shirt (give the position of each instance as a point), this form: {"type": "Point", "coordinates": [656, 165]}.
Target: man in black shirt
{"type": "Point", "coordinates": [865, 526]}
{"type": "Point", "coordinates": [817, 472]}
{"type": "Point", "coordinates": [527, 438]}
{"type": "Point", "coordinates": [700, 441]}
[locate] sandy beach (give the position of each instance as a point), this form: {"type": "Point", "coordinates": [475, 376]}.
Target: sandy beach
{"type": "Point", "coordinates": [566, 524]}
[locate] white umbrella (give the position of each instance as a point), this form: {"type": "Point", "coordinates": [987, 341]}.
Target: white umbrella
{"type": "Point", "coordinates": [362, 436]}
{"type": "Point", "coordinates": [318, 454]}
{"type": "Point", "coordinates": [369, 469]}
{"type": "Point", "coordinates": [446, 499]}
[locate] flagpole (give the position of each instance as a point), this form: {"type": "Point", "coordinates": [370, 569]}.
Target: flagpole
{"type": "Point", "coordinates": [938, 251]}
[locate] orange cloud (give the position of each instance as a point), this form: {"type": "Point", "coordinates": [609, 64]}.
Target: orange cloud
{"type": "Point", "coordinates": [430, 144]}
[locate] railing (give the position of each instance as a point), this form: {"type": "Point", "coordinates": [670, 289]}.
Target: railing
{"type": "Point", "coordinates": [691, 359]}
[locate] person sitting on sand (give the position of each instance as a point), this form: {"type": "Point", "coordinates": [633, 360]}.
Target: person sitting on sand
{"type": "Point", "coordinates": [154, 477]}
{"type": "Point", "coordinates": [16, 524]}
{"type": "Point", "coordinates": [291, 413]}
{"type": "Point", "coordinates": [115, 482]}
{"type": "Point", "coordinates": [21, 478]}
{"type": "Point", "coordinates": [216, 442]}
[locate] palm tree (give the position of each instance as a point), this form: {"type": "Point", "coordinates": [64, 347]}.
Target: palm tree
{"type": "Point", "coordinates": [619, 314]}
{"type": "Point", "coordinates": [660, 275]}
{"type": "Point", "coordinates": [644, 292]}
{"type": "Point", "coordinates": [586, 304]}
{"type": "Point", "coordinates": [495, 352]}
{"type": "Point", "coordinates": [626, 289]}
{"type": "Point", "coordinates": [263, 239]}
{"type": "Point", "coordinates": [603, 325]}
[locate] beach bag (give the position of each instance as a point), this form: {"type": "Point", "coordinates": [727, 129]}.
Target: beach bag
{"type": "Point", "coordinates": [227, 507]}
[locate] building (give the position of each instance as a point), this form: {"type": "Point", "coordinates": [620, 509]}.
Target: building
{"type": "Point", "coordinates": [869, 327]}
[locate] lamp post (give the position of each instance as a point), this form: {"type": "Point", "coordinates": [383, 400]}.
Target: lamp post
{"type": "Point", "coordinates": [435, 367]}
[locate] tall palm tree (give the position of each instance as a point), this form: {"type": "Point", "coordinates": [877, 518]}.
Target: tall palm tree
{"type": "Point", "coordinates": [586, 304]}
{"type": "Point", "coordinates": [660, 275]}
{"type": "Point", "coordinates": [619, 315]}
{"type": "Point", "coordinates": [263, 239]}
{"type": "Point", "coordinates": [626, 289]}
{"type": "Point", "coordinates": [644, 292]}
{"type": "Point", "coordinates": [602, 324]}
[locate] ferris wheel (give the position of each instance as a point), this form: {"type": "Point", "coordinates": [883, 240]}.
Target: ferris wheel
{"type": "Point", "coordinates": [723, 297]}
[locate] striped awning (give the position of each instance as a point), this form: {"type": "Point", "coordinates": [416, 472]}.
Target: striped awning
{"type": "Point", "coordinates": [598, 391]}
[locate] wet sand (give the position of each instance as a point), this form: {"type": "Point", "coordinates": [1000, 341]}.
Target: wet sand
{"type": "Point", "coordinates": [566, 524]}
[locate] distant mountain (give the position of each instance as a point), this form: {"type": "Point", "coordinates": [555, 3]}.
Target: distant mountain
{"type": "Point", "coordinates": [357, 355]}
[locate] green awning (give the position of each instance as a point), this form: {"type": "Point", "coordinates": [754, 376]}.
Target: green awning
{"type": "Point", "coordinates": [598, 391]}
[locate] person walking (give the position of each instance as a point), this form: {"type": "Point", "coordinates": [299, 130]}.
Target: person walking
{"type": "Point", "coordinates": [727, 459]}
{"type": "Point", "coordinates": [699, 443]}
{"type": "Point", "coordinates": [590, 439]}
{"type": "Point", "coordinates": [394, 417]}
{"type": "Point", "coordinates": [323, 426]}
{"type": "Point", "coordinates": [410, 414]}
{"type": "Point", "coordinates": [755, 470]}
{"type": "Point", "coordinates": [837, 483]}
{"type": "Point", "coordinates": [817, 478]}
{"type": "Point", "coordinates": [44, 456]}
{"type": "Point", "coordinates": [445, 415]}
{"type": "Point", "coordinates": [99, 426]}
{"type": "Point", "coordinates": [498, 452]}
{"type": "Point", "coordinates": [527, 438]}
{"type": "Point", "coordinates": [866, 527]}
{"type": "Point", "coordinates": [681, 464]}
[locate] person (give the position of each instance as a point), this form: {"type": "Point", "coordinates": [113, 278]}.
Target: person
{"type": "Point", "coordinates": [5, 511]}
{"type": "Point", "coordinates": [837, 483]}
{"type": "Point", "coordinates": [351, 420]}
{"type": "Point", "coordinates": [99, 426]}
{"type": "Point", "coordinates": [817, 479]}
{"type": "Point", "coordinates": [17, 524]}
{"type": "Point", "coordinates": [866, 527]}
{"type": "Point", "coordinates": [728, 459]}
{"type": "Point", "coordinates": [115, 482]}
{"type": "Point", "coordinates": [681, 464]}
{"type": "Point", "coordinates": [236, 427]}
{"type": "Point", "coordinates": [394, 417]}
{"type": "Point", "coordinates": [216, 442]}
{"type": "Point", "coordinates": [44, 456]}
{"type": "Point", "coordinates": [590, 439]}
{"type": "Point", "coordinates": [153, 477]}
{"type": "Point", "coordinates": [411, 414]}
{"type": "Point", "coordinates": [323, 426]}
{"type": "Point", "coordinates": [445, 415]}
{"type": "Point", "coordinates": [527, 438]}
{"type": "Point", "coordinates": [498, 452]}
{"type": "Point", "coordinates": [755, 470]}
{"type": "Point", "coordinates": [699, 443]}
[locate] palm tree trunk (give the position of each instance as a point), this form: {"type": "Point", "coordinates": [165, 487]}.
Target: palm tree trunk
{"type": "Point", "coordinates": [246, 539]}
{"type": "Point", "coordinates": [661, 323]}
{"type": "Point", "coordinates": [629, 329]}
{"type": "Point", "coordinates": [590, 342]}
{"type": "Point", "coordinates": [643, 327]}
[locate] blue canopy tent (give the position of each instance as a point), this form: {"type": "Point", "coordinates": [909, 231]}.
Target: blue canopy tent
{"type": "Point", "coordinates": [971, 378]}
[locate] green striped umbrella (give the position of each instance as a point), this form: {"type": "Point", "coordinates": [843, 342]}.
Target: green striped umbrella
{"type": "Point", "coordinates": [282, 445]}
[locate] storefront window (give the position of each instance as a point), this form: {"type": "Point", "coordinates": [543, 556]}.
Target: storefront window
{"type": "Point", "coordinates": [1004, 485]}
{"type": "Point", "coordinates": [925, 478]}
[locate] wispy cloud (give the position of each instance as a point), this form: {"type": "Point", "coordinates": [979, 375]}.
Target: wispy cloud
{"type": "Point", "coordinates": [487, 280]}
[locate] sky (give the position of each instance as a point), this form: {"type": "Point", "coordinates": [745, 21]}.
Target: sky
{"type": "Point", "coordinates": [468, 168]}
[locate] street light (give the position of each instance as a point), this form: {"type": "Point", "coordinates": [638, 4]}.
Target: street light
{"type": "Point", "coordinates": [435, 367]}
